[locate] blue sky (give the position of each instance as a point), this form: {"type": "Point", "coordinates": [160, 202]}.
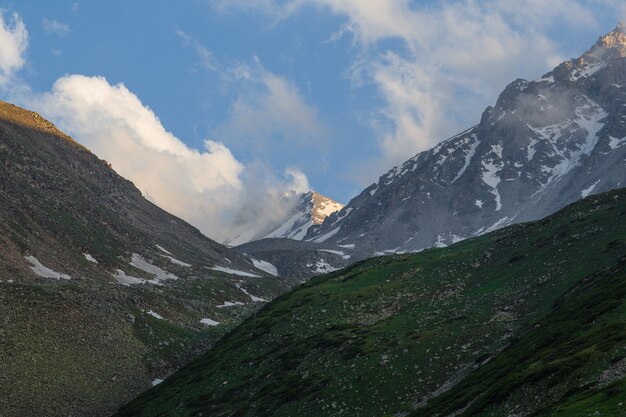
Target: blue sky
{"type": "Point", "coordinates": [322, 94]}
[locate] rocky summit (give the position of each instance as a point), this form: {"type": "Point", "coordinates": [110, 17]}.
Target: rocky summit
{"type": "Point", "coordinates": [102, 293]}
{"type": "Point", "coordinates": [545, 144]}
{"type": "Point", "coordinates": [299, 212]}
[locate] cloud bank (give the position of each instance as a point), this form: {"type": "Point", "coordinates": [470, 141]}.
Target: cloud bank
{"type": "Point", "coordinates": [206, 187]}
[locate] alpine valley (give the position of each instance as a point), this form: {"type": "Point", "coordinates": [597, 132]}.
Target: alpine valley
{"type": "Point", "coordinates": [545, 144]}
{"type": "Point", "coordinates": [484, 277]}
{"type": "Point", "coordinates": [509, 319]}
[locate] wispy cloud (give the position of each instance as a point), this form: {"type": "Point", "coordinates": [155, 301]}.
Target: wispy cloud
{"type": "Point", "coordinates": [55, 27]}
{"type": "Point", "coordinates": [13, 45]}
{"type": "Point", "coordinates": [270, 111]}
{"type": "Point", "coordinates": [204, 55]}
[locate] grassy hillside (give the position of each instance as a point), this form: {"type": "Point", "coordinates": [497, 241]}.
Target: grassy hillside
{"type": "Point", "coordinates": [528, 319]}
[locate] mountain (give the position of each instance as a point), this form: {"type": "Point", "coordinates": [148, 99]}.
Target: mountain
{"type": "Point", "coordinates": [545, 144]}
{"type": "Point", "coordinates": [101, 291]}
{"type": "Point", "coordinates": [301, 211]}
{"type": "Point", "coordinates": [526, 320]}
{"type": "Point", "coordinates": [298, 260]}
{"type": "Point", "coordinates": [312, 208]}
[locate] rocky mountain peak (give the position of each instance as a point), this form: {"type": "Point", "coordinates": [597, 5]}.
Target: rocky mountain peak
{"type": "Point", "coordinates": [545, 144]}
{"type": "Point", "coordinates": [616, 39]}
{"type": "Point", "coordinates": [323, 207]}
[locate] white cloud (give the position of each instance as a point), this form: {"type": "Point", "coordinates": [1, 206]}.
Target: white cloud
{"type": "Point", "coordinates": [13, 44]}
{"type": "Point", "coordinates": [204, 187]}
{"type": "Point", "coordinates": [270, 110]}
{"type": "Point", "coordinates": [55, 27]}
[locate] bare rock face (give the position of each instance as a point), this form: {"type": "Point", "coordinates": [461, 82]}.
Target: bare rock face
{"type": "Point", "coordinates": [321, 207]}
{"type": "Point", "coordinates": [545, 144]}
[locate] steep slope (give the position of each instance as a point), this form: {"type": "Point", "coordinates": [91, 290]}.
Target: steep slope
{"type": "Point", "coordinates": [101, 291]}
{"type": "Point", "coordinates": [525, 319]}
{"type": "Point", "coordinates": [302, 210]}
{"type": "Point", "coordinates": [545, 144]}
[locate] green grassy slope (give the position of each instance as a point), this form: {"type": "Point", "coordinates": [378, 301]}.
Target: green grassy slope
{"type": "Point", "coordinates": [509, 323]}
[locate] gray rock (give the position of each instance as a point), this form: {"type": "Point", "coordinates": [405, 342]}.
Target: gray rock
{"type": "Point", "coordinates": [545, 144]}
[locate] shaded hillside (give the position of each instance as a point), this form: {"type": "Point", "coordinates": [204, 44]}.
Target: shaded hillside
{"type": "Point", "coordinates": [526, 319]}
{"type": "Point", "coordinates": [302, 260]}
{"type": "Point", "coordinates": [101, 291]}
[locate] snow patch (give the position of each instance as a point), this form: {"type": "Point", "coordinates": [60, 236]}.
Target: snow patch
{"type": "Point", "coordinates": [490, 174]}
{"type": "Point", "coordinates": [121, 277]}
{"type": "Point", "coordinates": [265, 266]}
{"type": "Point", "coordinates": [615, 143]}
{"type": "Point", "coordinates": [232, 271]}
{"type": "Point", "coordinates": [439, 243]}
{"type": "Point", "coordinates": [155, 315]}
{"type": "Point", "coordinates": [468, 158]}
{"type": "Point", "coordinates": [322, 267]}
{"type": "Point", "coordinates": [231, 304]}
{"type": "Point", "coordinates": [43, 271]}
{"type": "Point", "coordinates": [530, 149]}
{"type": "Point", "coordinates": [90, 258]}
{"type": "Point", "coordinates": [254, 298]}
{"type": "Point", "coordinates": [162, 249]}
{"type": "Point", "coordinates": [348, 246]}
{"type": "Point", "coordinates": [209, 322]}
{"type": "Point", "coordinates": [498, 225]}
{"type": "Point", "coordinates": [140, 263]}
{"type": "Point", "coordinates": [571, 158]}
{"type": "Point", "coordinates": [479, 203]}
{"type": "Point", "coordinates": [584, 193]}
{"type": "Point", "coordinates": [337, 252]}
{"type": "Point", "coordinates": [176, 261]}
{"type": "Point", "coordinates": [588, 70]}
{"type": "Point", "coordinates": [156, 381]}
{"type": "Point", "coordinates": [289, 229]}
{"type": "Point", "coordinates": [326, 236]}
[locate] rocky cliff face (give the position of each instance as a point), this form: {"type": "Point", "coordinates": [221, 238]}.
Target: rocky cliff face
{"type": "Point", "coordinates": [545, 143]}
{"type": "Point", "coordinates": [101, 291]}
